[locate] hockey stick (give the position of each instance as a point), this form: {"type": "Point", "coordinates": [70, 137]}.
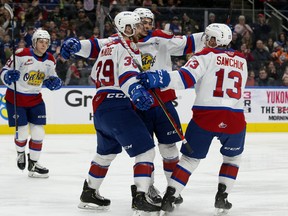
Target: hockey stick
{"type": "Point", "coordinates": [10, 10]}
{"type": "Point", "coordinates": [228, 21]}
{"type": "Point", "coordinates": [162, 105]}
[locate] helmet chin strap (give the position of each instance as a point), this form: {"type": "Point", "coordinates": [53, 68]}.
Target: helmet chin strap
{"type": "Point", "coordinates": [211, 46]}
{"type": "Point", "coordinates": [129, 35]}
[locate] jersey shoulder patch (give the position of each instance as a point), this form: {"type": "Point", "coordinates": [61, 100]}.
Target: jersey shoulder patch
{"type": "Point", "coordinates": [23, 52]}
{"type": "Point", "coordinates": [19, 50]}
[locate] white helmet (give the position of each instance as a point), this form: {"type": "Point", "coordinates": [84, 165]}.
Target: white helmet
{"type": "Point", "coordinates": [40, 34]}
{"type": "Point", "coordinates": [144, 13]}
{"type": "Point", "coordinates": [127, 18]}
{"type": "Point", "coordinates": [221, 32]}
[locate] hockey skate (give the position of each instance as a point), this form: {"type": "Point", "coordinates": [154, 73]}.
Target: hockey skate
{"type": "Point", "coordinates": [140, 204]}
{"type": "Point", "coordinates": [222, 205]}
{"type": "Point", "coordinates": [133, 194]}
{"type": "Point", "coordinates": [168, 201]}
{"type": "Point", "coordinates": [36, 170]}
{"type": "Point", "coordinates": [178, 200]}
{"type": "Point", "coordinates": [90, 199]}
{"type": "Point", "coordinates": [21, 160]}
{"type": "Point", "coordinates": [153, 195]}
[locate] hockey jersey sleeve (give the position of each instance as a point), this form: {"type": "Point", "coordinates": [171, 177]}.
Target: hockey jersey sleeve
{"type": "Point", "coordinates": [188, 75]}
{"type": "Point", "coordinates": [90, 48]}
{"type": "Point", "coordinates": [128, 70]}
{"type": "Point", "coordinates": [198, 40]}
{"type": "Point", "coordinates": [51, 71]}
{"type": "Point", "coordinates": [10, 66]}
{"type": "Point", "coordinates": [182, 45]}
{"type": "Point", "coordinates": [179, 45]}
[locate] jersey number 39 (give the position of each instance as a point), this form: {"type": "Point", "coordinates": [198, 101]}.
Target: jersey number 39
{"type": "Point", "coordinates": [107, 71]}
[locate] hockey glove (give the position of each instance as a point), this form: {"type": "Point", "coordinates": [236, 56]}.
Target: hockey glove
{"type": "Point", "coordinates": [11, 76]}
{"type": "Point", "coordinates": [70, 46]}
{"type": "Point", "coordinates": [140, 97]}
{"type": "Point", "coordinates": [154, 79]}
{"type": "Point", "coordinates": [53, 83]}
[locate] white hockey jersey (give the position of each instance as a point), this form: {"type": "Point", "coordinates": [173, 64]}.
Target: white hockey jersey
{"type": "Point", "coordinates": [219, 76]}
{"type": "Point", "coordinates": [158, 47]}
{"type": "Point", "coordinates": [33, 70]}
{"type": "Point", "coordinates": [114, 70]}
{"type": "Point", "coordinates": [91, 47]}
{"type": "Point", "coordinates": [156, 51]}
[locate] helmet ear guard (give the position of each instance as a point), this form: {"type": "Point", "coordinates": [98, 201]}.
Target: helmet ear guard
{"type": "Point", "coordinates": [127, 18]}
{"type": "Point", "coordinates": [221, 32]}
{"type": "Point", "coordinates": [40, 34]}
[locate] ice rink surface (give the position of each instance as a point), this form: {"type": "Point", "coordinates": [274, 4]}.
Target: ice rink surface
{"type": "Point", "coordinates": [261, 188]}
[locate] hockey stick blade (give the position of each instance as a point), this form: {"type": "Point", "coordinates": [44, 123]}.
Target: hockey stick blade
{"type": "Point", "coordinates": [220, 212]}
{"type": "Point", "coordinates": [93, 207]}
{"type": "Point", "coordinates": [163, 213]}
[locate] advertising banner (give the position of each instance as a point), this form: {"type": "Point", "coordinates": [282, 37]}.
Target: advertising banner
{"type": "Point", "coordinates": [64, 106]}
{"type": "Point", "coordinates": [73, 106]}
{"type": "Point", "coordinates": [266, 105]}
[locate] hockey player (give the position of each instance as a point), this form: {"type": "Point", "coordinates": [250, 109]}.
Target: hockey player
{"type": "Point", "coordinates": [157, 47]}
{"type": "Point", "coordinates": [219, 75]}
{"type": "Point", "coordinates": [116, 122]}
{"type": "Point", "coordinates": [33, 68]}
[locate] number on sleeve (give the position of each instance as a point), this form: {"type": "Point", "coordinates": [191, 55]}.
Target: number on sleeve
{"type": "Point", "coordinates": [129, 61]}
{"type": "Point", "coordinates": [9, 62]}
{"type": "Point", "coordinates": [192, 63]}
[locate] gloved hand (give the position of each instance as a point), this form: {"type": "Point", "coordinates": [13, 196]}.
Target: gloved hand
{"type": "Point", "coordinates": [140, 97]}
{"type": "Point", "coordinates": [154, 79]}
{"type": "Point", "coordinates": [70, 46]}
{"type": "Point", "coordinates": [11, 76]}
{"type": "Point", "coordinates": [53, 83]}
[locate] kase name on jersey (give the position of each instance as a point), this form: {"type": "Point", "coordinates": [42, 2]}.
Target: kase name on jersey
{"type": "Point", "coordinates": [226, 61]}
{"type": "Point", "coordinates": [107, 51]}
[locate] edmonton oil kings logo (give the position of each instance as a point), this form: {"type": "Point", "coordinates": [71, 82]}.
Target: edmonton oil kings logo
{"type": "Point", "coordinates": [34, 78]}
{"type": "Point", "coordinates": [147, 61]}
{"type": "Point", "coordinates": [3, 110]}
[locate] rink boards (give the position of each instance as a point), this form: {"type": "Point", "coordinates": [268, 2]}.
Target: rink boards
{"type": "Point", "coordinates": [69, 110]}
